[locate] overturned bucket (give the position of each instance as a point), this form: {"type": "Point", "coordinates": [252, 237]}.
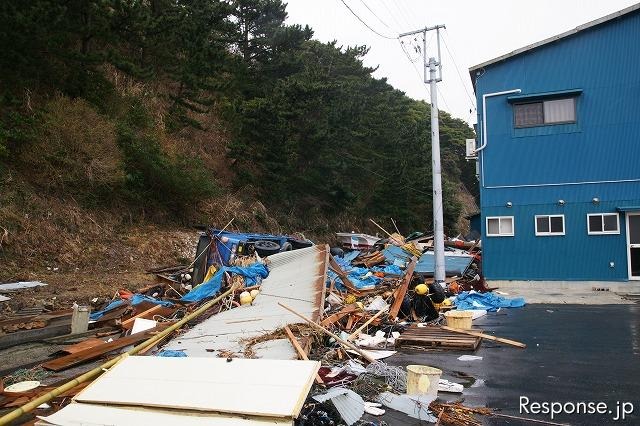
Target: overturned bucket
{"type": "Point", "coordinates": [423, 380]}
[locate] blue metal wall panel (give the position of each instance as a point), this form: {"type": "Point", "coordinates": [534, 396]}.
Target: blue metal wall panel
{"type": "Point", "coordinates": [573, 256]}
{"type": "Point", "coordinates": [533, 168]}
{"type": "Point", "coordinates": [603, 145]}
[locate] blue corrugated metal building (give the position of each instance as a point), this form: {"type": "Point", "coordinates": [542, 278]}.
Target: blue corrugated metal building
{"type": "Point", "coordinates": [559, 155]}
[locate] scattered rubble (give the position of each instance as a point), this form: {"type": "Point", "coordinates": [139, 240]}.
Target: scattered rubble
{"type": "Point", "coordinates": [251, 310]}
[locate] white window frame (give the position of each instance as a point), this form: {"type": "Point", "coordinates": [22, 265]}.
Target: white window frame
{"type": "Point", "coordinates": [500, 219]}
{"type": "Point", "coordinates": [603, 232]}
{"type": "Point", "coordinates": [546, 122]}
{"type": "Point", "coordinates": [548, 234]}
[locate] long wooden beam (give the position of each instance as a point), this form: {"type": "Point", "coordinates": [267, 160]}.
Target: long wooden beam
{"type": "Point", "coordinates": [402, 290]}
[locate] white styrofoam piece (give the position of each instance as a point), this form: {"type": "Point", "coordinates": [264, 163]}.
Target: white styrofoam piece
{"type": "Point", "coordinates": [20, 285]}
{"type": "Point", "coordinates": [142, 324]}
{"type": "Point", "coordinates": [4, 298]}
{"type": "Point", "coordinates": [80, 414]}
{"type": "Point", "coordinates": [416, 406]}
{"type": "Point", "coordinates": [469, 358]}
{"type": "Point", "coordinates": [374, 353]}
{"type": "Point", "coordinates": [451, 387]}
{"type": "Point", "coordinates": [477, 313]}
{"type": "Point", "coordinates": [261, 387]}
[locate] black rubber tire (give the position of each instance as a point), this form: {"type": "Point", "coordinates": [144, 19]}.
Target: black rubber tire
{"type": "Point", "coordinates": [336, 252]}
{"type": "Point", "coordinates": [287, 246]}
{"type": "Point", "coordinates": [266, 248]}
{"type": "Point", "coordinates": [299, 244]}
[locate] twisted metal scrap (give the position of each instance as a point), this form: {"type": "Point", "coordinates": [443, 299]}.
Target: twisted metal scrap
{"type": "Point", "coordinates": [395, 377]}
{"type": "Point", "coordinates": [379, 378]}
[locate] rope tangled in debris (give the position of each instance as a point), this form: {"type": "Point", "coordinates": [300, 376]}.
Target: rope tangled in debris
{"type": "Point", "coordinates": [23, 374]}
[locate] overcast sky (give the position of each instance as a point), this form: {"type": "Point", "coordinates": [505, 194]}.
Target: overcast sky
{"type": "Point", "coordinates": [476, 31]}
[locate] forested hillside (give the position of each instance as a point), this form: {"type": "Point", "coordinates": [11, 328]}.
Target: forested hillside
{"type": "Point", "coordinates": [118, 113]}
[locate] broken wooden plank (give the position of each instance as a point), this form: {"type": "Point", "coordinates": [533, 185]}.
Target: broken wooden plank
{"type": "Point", "coordinates": [298, 348]}
{"type": "Point", "coordinates": [85, 344]}
{"type": "Point", "coordinates": [486, 336]}
{"type": "Point", "coordinates": [333, 318]}
{"type": "Point", "coordinates": [402, 290]}
{"type": "Point", "coordinates": [355, 334]}
{"type": "Point", "coordinates": [88, 354]}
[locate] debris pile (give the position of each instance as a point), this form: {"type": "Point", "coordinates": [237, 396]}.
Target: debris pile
{"type": "Point", "coordinates": [247, 300]}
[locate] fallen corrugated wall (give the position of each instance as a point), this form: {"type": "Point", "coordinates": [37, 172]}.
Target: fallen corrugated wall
{"type": "Point", "coordinates": [296, 278]}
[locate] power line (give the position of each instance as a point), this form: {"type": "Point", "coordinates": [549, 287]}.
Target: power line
{"type": "Point", "coordinates": [471, 99]}
{"type": "Point", "coordinates": [391, 14]}
{"type": "Point", "coordinates": [443, 99]}
{"type": "Point", "coordinates": [377, 17]}
{"type": "Point", "coordinates": [365, 24]}
{"type": "Point", "coordinates": [414, 67]}
{"type": "Point", "coordinates": [401, 13]}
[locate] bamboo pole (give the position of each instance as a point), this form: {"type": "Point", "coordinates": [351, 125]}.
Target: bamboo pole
{"type": "Point", "coordinates": [31, 405]}
{"type": "Point", "coordinates": [335, 336]}
{"type": "Point", "coordinates": [386, 232]}
{"type": "Point", "coordinates": [355, 334]}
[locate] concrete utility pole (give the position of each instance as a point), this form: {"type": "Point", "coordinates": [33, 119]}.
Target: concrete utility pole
{"type": "Point", "coordinates": [435, 75]}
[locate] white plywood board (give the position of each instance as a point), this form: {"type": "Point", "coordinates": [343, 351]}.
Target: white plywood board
{"type": "Point", "coordinates": [80, 414]}
{"type": "Point", "coordinates": [260, 387]}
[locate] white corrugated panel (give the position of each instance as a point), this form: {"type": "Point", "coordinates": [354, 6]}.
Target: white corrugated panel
{"type": "Point", "coordinates": [349, 404]}
{"type": "Point", "coordinates": [296, 278]}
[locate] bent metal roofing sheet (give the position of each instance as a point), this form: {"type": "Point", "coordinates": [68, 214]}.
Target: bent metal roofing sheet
{"type": "Point", "coordinates": [296, 278]}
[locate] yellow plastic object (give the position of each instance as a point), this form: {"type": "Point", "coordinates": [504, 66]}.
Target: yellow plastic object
{"type": "Point", "coordinates": [254, 293]}
{"type": "Point", "coordinates": [412, 249]}
{"type": "Point", "coordinates": [350, 299]}
{"type": "Point", "coordinates": [423, 380]}
{"type": "Point", "coordinates": [211, 272]}
{"type": "Point", "coordinates": [245, 298]}
{"type": "Point", "coordinates": [422, 289]}
{"type": "Point", "coordinates": [459, 319]}
{"type": "Point", "coordinates": [360, 305]}
{"type": "Point", "coordinates": [446, 302]}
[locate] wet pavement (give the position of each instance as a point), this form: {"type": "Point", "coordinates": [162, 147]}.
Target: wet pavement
{"type": "Point", "coordinates": [574, 353]}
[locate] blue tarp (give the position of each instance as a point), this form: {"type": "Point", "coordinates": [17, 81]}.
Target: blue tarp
{"type": "Point", "coordinates": [489, 301]}
{"type": "Point", "coordinates": [388, 269]}
{"type": "Point", "coordinates": [94, 316]}
{"type": "Point", "coordinates": [453, 265]}
{"type": "Point", "coordinates": [171, 354]}
{"type": "Point", "coordinates": [252, 275]}
{"type": "Point", "coordinates": [357, 275]}
{"type": "Point", "coordinates": [136, 299]}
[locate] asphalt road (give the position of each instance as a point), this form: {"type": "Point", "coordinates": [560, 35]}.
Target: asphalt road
{"type": "Point", "coordinates": [574, 353]}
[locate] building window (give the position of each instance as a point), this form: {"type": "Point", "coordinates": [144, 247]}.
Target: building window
{"type": "Point", "coordinates": [556, 111]}
{"type": "Point", "coordinates": [603, 223]}
{"type": "Point", "coordinates": [500, 226]}
{"type": "Point", "coordinates": [547, 225]}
